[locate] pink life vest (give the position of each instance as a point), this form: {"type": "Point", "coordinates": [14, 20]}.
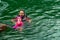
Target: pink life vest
{"type": "Point", "coordinates": [19, 21]}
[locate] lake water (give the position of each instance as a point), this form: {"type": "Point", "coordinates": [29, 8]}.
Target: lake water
{"type": "Point", "coordinates": [45, 16]}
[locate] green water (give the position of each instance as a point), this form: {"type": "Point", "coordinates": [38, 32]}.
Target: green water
{"type": "Point", "coordinates": [45, 15]}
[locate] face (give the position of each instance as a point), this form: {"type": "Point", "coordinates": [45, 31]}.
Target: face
{"type": "Point", "coordinates": [21, 13]}
{"type": "Point", "coordinates": [19, 18]}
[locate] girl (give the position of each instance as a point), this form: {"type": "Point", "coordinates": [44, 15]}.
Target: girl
{"type": "Point", "coordinates": [19, 20]}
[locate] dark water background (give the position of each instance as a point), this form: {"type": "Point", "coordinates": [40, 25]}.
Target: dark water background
{"type": "Point", "coordinates": [45, 15]}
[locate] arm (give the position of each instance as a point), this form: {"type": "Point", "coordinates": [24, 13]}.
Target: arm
{"type": "Point", "coordinates": [3, 24]}
{"type": "Point", "coordinates": [28, 20]}
{"type": "Point", "coordinates": [13, 20]}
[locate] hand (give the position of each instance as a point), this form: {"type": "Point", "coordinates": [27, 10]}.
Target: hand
{"type": "Point", "coordinates": [13, 21]}
{"type": "Point", "coordinates": [29, 21]}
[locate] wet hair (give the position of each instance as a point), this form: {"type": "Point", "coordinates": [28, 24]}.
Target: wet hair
{"type": "Point", "coordinates": [22, 10]}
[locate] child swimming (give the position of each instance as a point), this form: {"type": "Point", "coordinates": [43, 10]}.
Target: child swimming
{"type": "Point", "coordinates": [19, 23]}
{"type": "Point", "coordinates": [19, 20]}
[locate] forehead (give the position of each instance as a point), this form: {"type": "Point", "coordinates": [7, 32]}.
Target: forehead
{"type": "Point", "coordinates": [21, 11]}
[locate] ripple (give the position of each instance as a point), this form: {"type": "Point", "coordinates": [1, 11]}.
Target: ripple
{"type": "Point", "coordinates": [5, 5]}
{"type": "Point", "coordinates": [56, 7]}
{"type": "Point", "coordinates": [15, 10]}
